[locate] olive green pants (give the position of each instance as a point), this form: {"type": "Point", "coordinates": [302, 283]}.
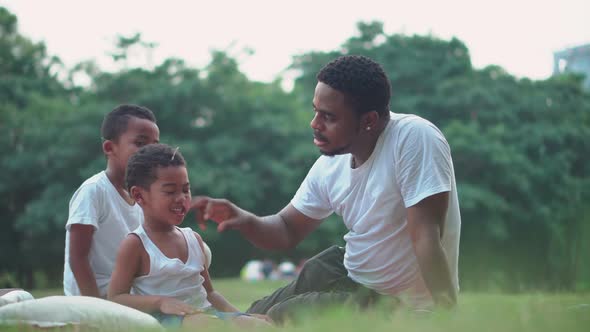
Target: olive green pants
{"type": "Point", "coordinates": [322, 282]}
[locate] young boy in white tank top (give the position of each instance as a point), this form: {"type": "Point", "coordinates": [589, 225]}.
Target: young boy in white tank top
{"type": "Point", "coordinates": [160, 268]}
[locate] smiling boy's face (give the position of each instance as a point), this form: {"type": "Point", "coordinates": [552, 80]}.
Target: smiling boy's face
{"type": "Point", "coordinates": [168, 198]}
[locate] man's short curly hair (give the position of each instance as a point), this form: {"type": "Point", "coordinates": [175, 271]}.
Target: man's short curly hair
{"type": "Point", "coordinates": [362, 80]}
{"type": "Point", "coordinates": [143, 164]}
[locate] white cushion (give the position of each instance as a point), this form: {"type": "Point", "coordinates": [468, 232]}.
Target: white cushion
{"type": "Point", "coordinates": [86, 311]}
{"type": "Point", "coordinates": [14, 297]}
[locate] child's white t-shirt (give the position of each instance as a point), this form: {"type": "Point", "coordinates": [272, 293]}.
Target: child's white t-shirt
{"type": "Point", "coordinates": [98, 203]}
{"type": "Point", "coordinates": [411, 161]}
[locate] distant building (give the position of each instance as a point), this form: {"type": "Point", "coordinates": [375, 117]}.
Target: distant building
{"type": "Point", "coordinates": [573, 60]}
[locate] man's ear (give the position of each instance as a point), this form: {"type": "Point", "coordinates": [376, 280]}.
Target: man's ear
{"type": "Point", "coordinates": [370, 119]}
{"type": "Point", "coordinates": [137, 194]}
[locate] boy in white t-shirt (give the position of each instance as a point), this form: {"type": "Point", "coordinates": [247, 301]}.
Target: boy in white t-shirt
{"type": "Point", "coordinates": [161, 269]}
{"type": "Point", "coordinates": [101, 212]}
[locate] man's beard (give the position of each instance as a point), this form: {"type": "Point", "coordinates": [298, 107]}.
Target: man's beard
{"type": "Point", "coordinates": [337, 151]}
{"type": "Point", "coordinates": [341, 150]}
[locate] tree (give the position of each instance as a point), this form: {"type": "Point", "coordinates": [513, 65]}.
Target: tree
{"type": "Point", "coordinates": [519, 149]}
{"type": "Point", "coordinates": [28, 90]}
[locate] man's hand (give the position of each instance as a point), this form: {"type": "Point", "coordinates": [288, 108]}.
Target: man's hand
{"type": "Point", "coordinates": [222, 211]}
{"type": "Point", "coordinates": [283, 230]}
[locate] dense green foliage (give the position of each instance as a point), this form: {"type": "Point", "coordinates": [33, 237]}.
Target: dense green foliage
{"type": "Point", "coordinates": [520, 150]}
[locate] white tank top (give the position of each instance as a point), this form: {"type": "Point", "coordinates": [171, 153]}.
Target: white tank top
{"type": "Point", "coordinates": [170, 276]}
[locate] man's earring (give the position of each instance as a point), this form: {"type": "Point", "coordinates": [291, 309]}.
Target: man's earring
{"type": "Point", "coordinates": [368, 127]}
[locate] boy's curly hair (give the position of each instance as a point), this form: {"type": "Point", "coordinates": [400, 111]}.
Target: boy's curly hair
{"type": "Point", "coordinates": [143, 164]}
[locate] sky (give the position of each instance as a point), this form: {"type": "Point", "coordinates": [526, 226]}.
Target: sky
{"type": "Point", "coordinates": [518, 35]}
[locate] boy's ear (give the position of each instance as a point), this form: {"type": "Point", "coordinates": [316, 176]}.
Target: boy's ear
{"type": "Point", "coordinates": [136, 194]}
{"type": "Point", "coordinates": [107, 147]}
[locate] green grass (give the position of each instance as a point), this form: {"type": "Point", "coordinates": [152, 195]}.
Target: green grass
{"type": "Point", "coordinates": [239, 293]}
{"type": "Point", "coordinates": [479, 312]}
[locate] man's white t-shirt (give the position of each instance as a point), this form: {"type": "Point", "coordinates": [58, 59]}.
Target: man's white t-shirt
{"type": "Point", "coordinates": [98, 203]}
{"type": "Point", "coordinates": [411, 161]}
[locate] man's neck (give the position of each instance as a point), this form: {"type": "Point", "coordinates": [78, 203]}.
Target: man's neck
{"type": "Point", "coordinates": [367, 145]}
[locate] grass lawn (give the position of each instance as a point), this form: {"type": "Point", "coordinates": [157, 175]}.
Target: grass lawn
{"type": "Point", "coordinates": [238, 292]}
{"type": "Point", "coordinates": [478, 312]}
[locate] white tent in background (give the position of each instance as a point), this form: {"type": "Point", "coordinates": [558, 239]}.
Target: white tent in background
{"type": "Point", "coordinates": [252, 271]}
{"type": "Point", "coordinates": [287, 269]}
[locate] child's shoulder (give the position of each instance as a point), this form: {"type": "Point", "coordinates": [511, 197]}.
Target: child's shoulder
{"type": "Point", "coordinates": [190, 232]}
{"type": "Point", "coordinates": [94, 186]}
{"type": "Point", "coordinates": [132, 248]}
{"type": "Point", "coordinates": [97, 179]}
{"type": "Point", "coordinates": [202, 245]}
{"type": "Point", "coordinates": [133, 240]}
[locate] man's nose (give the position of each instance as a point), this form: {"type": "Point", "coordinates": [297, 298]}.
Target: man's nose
{"type": "Point", "coordinates": [315, 122]}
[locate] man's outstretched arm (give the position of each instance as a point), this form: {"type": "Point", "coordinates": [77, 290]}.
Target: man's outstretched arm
{"type": "Point", "coordinates": [283, 230]}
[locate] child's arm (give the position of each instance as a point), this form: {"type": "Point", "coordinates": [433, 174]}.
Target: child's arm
{"type": "Point", "coordinates": [214, 297]}
{"type": "Point", "coordinates": [85, 211]}
{"type": "Point", "coordinates": [80, 242]}
{"type": "Point", "coordinates": [127, 267]}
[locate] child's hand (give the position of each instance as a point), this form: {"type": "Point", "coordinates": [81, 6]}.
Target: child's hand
{"type": "Point", "coordinates": [173, 306]}
{"type": "Point", "coordinates": [252, 321]}
{"type": "Point", "coordinates": [263, 317]}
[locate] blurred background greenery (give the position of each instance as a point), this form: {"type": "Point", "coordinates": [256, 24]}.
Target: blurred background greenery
{"type": "Point", "coordinates": [520, 147]}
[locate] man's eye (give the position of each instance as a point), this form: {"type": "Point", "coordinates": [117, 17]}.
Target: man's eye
{"type": "Point", "coordinates": [139, 144]}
